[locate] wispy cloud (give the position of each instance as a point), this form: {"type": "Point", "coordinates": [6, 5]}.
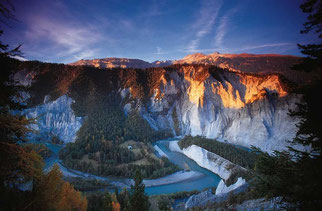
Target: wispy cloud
{"type": "Point", "coordinates": [54, 32]}
{"type": "Point", "coordinates": [221, 31]}
{"type": "Point", "coordinates": [278, 48]}
{"type": "Point", "coordinates": [70, 40]}
{"type": "Point", "coordinates": [268, 45]}
{"type": "Point", "coordinates": [223, 27]}
{"type": "Point", "coordinates": [204, 23]}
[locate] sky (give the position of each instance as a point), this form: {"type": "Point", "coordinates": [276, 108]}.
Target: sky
{"type": "Point", "coordinates": [65, 31]}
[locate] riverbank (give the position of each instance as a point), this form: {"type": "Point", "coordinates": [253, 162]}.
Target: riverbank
{"type": "Point", "coordinates": [192, 178]}
{"type": "Point", "coordinates": [179, 176]}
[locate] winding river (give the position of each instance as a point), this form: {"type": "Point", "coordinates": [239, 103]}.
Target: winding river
{"type": "Point", "coordinates": [193, 177]}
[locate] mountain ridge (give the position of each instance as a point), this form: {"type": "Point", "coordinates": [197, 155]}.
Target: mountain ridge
{"type": "Point", "coordinates": [242, 63]}
{"type": "Point", "coordinates": [183, 99]}
{"type": "Point", "coordinates": [188, 59]}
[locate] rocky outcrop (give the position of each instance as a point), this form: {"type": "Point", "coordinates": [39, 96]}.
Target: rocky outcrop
{"type": "Point", "coordinates": [199, 199]}
{"type": "Point", "coordinates": [263, 204]}
{"type": "Point", "coordinates": [222, 188]}
{"type": "Point", "coordinates": [207, 198]}
{"type": "Point", "coordinates": [23, 77]}
{"type": "Point", "coordinates": [54, 118]}
{"type": "Point", "coordinates": [222, 192]}
{"type": "Point", "coordinates": [208, 160]}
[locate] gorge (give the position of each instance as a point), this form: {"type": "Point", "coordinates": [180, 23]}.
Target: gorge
{"type": "Point", "coordinates": [245, 107]}
{"type": "Point", "coordinates": [183, 99]}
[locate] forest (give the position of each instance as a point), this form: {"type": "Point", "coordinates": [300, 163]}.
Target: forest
{"type": "Point", "coordinates": [105, 128]}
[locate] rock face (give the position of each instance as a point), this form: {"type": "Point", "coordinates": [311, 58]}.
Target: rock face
{"type": "Point", "coordinates": [55, 118]}
{"type": "Point", "coordinates": [222, 188]}
{"type": "Point", "coordinates": [23, 77]}
{"type": "Point", "coordinates": [251, 63]}
{"type": "Point", "coordinates": [263, 204]}
{"type": "Point", "coordinates": [242, 109]}
{"type": "Point", "coordinates": [199, 199]}
{"type": "Point", "coordinates": [247, 63]}
{"type": "Point", "coordinates": [208, 160]}
{"type": "Point", "coordinates": [222, 193]}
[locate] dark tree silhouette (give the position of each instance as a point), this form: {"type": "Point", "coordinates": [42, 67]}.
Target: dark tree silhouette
{"type": "Point", "coordinates": [6, 13]}
{"type": "Point", "coordinates": [138, 199]}
{"type": "Point", "coordinates": [295, 175]}
{"type": "Point", "coordinates": [313, 24]}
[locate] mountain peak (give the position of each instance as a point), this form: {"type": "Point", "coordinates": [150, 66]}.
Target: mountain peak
{"type": "Point", "coordinates": [194, 56]}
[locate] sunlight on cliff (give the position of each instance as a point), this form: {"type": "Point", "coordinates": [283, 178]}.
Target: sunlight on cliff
{"type": "Point", "coordinates": [157, 93]}
{"type": "Point", "coordinates": [197, 88]}
{"type": "Point", "coordinates": [230, 97]}
{"type": "Point", "coordinates": [256, 86]}
{"type": "Point", "coordinates": [196, 92]}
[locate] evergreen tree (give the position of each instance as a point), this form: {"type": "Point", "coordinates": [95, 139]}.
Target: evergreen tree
{"type": "Point", "coordinates": [295, 175]}
{"type": "Point", "coordinates": [6, 13]}
{"type": "Point", "coordinates": [138, 198]}
{"type": "Point", "coordinates": [313, 61]}
{"type": "Point", "coordinates": [18, 164]}
{"type": "Point", "coordinates": [308, 168]}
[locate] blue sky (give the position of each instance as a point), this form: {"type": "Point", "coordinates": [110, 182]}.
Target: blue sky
{"type": "Point", "coordinates": [66, 31]}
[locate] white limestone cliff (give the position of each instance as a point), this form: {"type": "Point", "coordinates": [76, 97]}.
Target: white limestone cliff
{"type": "Point", "coordinates": [55, 118]}
{"type": "Point", "coordinates": [207, 196]}
{"type": "Point", "coordinates": [241, 109]}
{"type": "Point", "coordinates": [222, 188]}
{"type": "Point", "coordinates": [208, 160]}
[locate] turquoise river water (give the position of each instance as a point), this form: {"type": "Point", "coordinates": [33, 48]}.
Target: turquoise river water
{"type": "Point", "coordinates": [206, 180]}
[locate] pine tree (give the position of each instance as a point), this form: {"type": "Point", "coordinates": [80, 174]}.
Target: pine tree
{"type": "Point", "coordinates": [138, 198]}
{"type": "Point", "coordinates": [6, 12]}
{"type": "Point", "coordinates": [295, 175]}
{"type": "Point", "coordinates": [313, 61]}
{"type": "Point", "coordinates": [308, 190]}
{"type": "Point", "coordinates": [18, 164]}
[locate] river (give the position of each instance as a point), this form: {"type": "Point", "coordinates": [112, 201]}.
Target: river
{"type": "Point", "coordinates": [202, 178]}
